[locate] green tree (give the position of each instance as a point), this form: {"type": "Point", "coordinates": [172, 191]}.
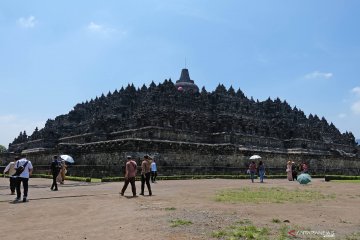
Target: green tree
{"type": "Point", "coordinates": [2, 149]}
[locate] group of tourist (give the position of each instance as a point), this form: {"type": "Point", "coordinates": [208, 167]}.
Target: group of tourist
{"type": "Point", "coordinates": [19, 171]}
{"type": "Point", "coordinates": [259, 169]}
{"type": "Point", "coordinates": [292, 170]}
{"type": "Point", "coordinates": [148, 171]}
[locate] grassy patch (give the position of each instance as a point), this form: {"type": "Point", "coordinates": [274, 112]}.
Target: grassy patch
{"type": "Point", "coordinates": [242, 232]}
{"type": "Point", "coordinates": [268, 195]}
{"type": "Point", "coordinates": [95, 180]}
{"type": "Point", "coordinates": [180, 222]}
{"type": "Point", "coordinates": [346, 181]}
{"type": "Point", "coordinates": [245, 221]}
{"type": "Point", "coordinates": [353, 236]}
{"type": "Point", "coordinates": [71, 178]}
{"type": "Point", "coordinates": [283, 232]}
{"type": "Point", "coordinates": [170, 209]}
{"type": "Point", "coordinates": [246, 230]}
{"type": "Point", "coordinates": [276, 220]}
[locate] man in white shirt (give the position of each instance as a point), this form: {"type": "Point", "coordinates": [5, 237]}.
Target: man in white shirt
{"type": "Point", "coordinates": [153, 171]}
{"type": "Point", "coordinates": [11, 169]}
{"type": "Point", "coordinates": [23, 177]}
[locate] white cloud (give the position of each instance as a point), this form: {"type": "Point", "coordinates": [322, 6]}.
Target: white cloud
{"type": "Point", "coordinates": [355, 107]}
{"type": "Point", "coordinates": [29, 22]}
{"type": "Point", "coordinates": [93, 27]}
{"type": "Point", "coordinates": [356, 90]}
{"type": "Point", "coordinates": [342, 115]}
{"type": "Point", "coordinates": [100, 29]}
{"type": "Point", "coordinates": [319, 75]}
{"type": "Point", "coordinates": [7, 118]}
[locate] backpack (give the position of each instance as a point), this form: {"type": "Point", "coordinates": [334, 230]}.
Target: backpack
{"type": "Point", "coordinates": [19, 169]}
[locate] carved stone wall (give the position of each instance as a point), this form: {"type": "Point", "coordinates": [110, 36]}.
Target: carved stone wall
{"type": "Point", "coordinates": [107, 158]}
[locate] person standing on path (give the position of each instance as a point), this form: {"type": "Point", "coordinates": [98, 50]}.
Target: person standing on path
{"type": "Point", "coordinates": [61, 176]}
{"type": "Point", "coordinates": [55, 169]}
{"type": "Point", "coordinates": [252, 170]}
{"type": "Point", "coordinates": [130, 173]}
{"type": "Point", "coordinates": [11, 169]}
{"type": "Point", "coordinates": [23, 177]}
{"type": "Point", "coordinates": [289, 171]}
{"type": "Point", "coordinates": [145, 175]}
{"type": "Point", "coordinates": [261, 169]}
{"type": "Point", "coordinates": [294, 171]}
{"type": "Point", "coordinates": [153, 171]}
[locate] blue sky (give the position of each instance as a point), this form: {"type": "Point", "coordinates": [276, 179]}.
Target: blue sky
{"type": "Point", "coordinates": [55, 54]}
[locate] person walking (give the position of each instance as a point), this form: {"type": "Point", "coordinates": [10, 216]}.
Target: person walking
{"type": "Point", "coordinates": [61, 176]}
{"type": "Point", "coordinates": [294, 171]}
{"type": "Point", "coordinates": [10, 168]}
{"type": "Point", "coordinates": [130, 173]}
{"type": "Point", "coordinates": [252, 170]}
{"type": "Point", "coordinates": [145, 175]}
{"type": "Point", "coordinates": [153, 171]}
{"type": "Point", "coordinates": [24, 169]}
{"type": "Point", "coordinates": [261, 170]}
{"type": "Point", "coordinates": [289, 171]}
{"type": "Point", "coordinates": [55, 169]}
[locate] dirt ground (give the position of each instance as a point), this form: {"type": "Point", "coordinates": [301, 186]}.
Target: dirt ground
{"type": "Point", "coordinates": [97, 211]}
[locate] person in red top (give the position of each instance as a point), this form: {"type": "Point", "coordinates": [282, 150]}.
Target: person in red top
{"type": "Point", "coordinates": [252, 170]}
{"type": "Point", "coordinates": [130, 173]}
{"type": "Point", "coordinates": [305, 167]}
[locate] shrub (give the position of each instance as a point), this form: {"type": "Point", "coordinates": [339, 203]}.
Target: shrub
{"type": "Point", "coordinates": [71, 178]}
{"type": "Point", "coordinates": [340, 177]}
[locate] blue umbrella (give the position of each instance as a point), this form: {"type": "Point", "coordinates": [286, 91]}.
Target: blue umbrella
{"type": "Point", "coordinates": [304, 178]}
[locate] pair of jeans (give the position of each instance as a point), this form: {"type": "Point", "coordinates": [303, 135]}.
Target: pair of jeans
{"type": "Point", "coordinates": [261, 175]}
{"type": "Point", "coordinates": [25, 182]}
{"type": "Point", "coordinates": [145, 178]}
{"type": "Point", "coordinates": [153, 176]}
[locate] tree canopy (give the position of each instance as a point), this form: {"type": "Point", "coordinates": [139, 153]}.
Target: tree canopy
{"type": "Point", "coordinates": [2, 149]}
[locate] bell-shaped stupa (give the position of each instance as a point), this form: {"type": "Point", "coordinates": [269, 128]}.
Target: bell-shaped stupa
{"type": "Point", "coordinates": [185, 83]}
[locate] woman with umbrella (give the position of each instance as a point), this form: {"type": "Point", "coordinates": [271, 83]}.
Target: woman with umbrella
{"type": "Point", "coordinates": [61, 176]}
{"type": "Point", "coordinates": [252, 170]}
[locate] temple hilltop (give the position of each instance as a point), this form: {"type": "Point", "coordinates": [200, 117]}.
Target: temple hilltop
{"type": "Point", "coordinates": [190, 131]}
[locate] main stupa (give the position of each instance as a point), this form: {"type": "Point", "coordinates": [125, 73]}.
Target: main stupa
{"type": "Point", "coordinates": [185, 83]}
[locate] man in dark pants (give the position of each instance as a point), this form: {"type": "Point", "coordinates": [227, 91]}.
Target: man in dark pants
{"type": "Point", "coordinates": [130, 173]}
{"type": "Point", "coordinates": [23, 177]}
{"type": "Point", "coordinates": [10, 168]}
{"type": "Point", "coordinates": [145, 175]}
{"type": "Point", "coordinates": [55, 169]}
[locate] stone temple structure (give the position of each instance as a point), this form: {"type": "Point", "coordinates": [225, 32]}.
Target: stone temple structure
{"type": "Point", "coordinates": [185, 83]}
{"type": "Point", "coordinates": [189, 132]}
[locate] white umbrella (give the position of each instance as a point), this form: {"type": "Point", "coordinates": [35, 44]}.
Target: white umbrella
{"type": "Point", "coordinates": [253, 157]}
{"type": "Point", "coordinates": [67, 158]}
